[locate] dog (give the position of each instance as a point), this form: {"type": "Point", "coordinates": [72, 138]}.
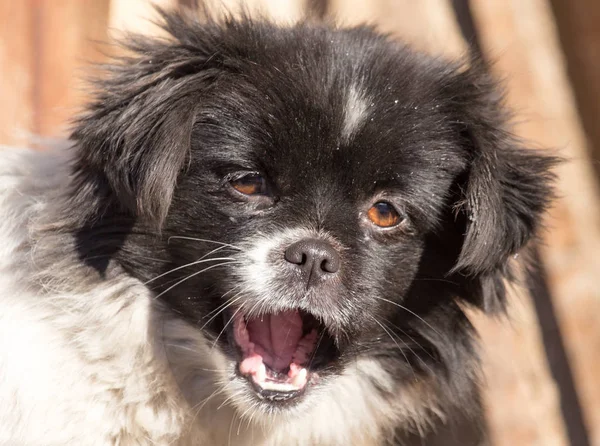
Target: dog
{"type": "Point", "coordinates": [263, 235]}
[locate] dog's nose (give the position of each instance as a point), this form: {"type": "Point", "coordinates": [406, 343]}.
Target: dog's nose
{"type": "Point", "coordinates": [316, 258]}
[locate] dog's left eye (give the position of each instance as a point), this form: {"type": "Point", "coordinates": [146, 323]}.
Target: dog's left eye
{"type": "Point", "coordinates": [250, 184]}
{"type": "Point", "coordinates": [384, 215]}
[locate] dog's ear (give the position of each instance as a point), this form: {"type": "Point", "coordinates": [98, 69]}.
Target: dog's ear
{"type": "Point", "coordinates": [504, 192]}
{"type": "Point", "coordinates": [134, 137]}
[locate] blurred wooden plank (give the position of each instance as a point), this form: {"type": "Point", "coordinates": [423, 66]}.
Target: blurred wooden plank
{"type": "Point", "coordinates": [521, 397]}
{"type": "Point", "coordinates": [281, 11]}
{"type": "Point", "coordinates": [69, 31]}
{"type": "Point", "coordinates": [428, 24]}
{"type": "Point", "coordinates": [522, 37]}
{"type": "Point", "coordinates": [136, 16]}
{"type": "Point", "coordinates": [17, 114]}
{"type": "Point", "coordinates": [578, 25]}
{"type": "Point", "coordinates": [74, 34]}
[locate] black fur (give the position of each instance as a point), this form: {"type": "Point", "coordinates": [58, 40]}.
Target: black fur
{"type": "Point", "coordinates": [175, 120]}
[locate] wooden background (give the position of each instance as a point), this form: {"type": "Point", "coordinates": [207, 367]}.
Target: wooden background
{"type": "Point", "coordinates": [543, 361]}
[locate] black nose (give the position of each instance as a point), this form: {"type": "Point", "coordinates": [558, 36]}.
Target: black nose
{"type": "Point", "coordinates": [315, 257]}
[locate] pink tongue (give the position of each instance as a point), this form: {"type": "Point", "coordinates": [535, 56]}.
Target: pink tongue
{"type": "Point", "coordinates": [276, 337]}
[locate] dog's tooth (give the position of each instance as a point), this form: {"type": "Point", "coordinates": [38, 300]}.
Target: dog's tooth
{"type": "Point", "coordinates": [299, 380]}
{"type": "Point", "coordinates": [294, 369]}
{"type": "Point", "coordinates": [261, 374]}
{"type": "Point", "coordinates": [251, 364]}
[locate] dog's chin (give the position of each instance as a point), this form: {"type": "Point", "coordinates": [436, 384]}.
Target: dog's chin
{"type": "Point", "coordinates": [280, 355]}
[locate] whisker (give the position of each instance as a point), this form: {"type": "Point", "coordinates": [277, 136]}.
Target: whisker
{"type": "Point", "coordinates": [397, 345]}
{"type": "Point", "coordinates": [229, 398]}
{"type": "Point", "coordinates": [227, 305]}
{"type": "Point", "coordinates": [249, 420]}
{"type": "Point", "coordinates": [182, 347]}
{"type": "Point", "coordinates": [180, 237]}
{"type": "Point", "coordinates": [224, 303]}
{"type": "Point", "coordinates": [411, 338]}
{"type": "Point", "coordinates": [434, 279]}
{"type": "Point", "coordinates": [242, 419]}
{"type": "Point", "coordinates": [102, 256]}
{"type": "Point", "coordinates": [233, 317]}
{"type": "Point", "coordinates": [213, 251]}
{"type": "Point", "coordinates": [312, 358]}
{"type": "Point", "coordinates": [231, 428]}
{"type": "Point", "coordinates": [218, 309]}
{"type": "Point", "coordinates": [225, 327]}
{"type": "Point", "coordinates": [219, 390]}
{"type": "Point", "coordinates": [206, 400]}
{"type": "Point", "coordinates": [232, 288]}
{"type": "Point", "coordinates": [263, 309]}
{"type": "Point", "coordinates": [411, 312]}
{"type": "Point", "coordinates": [410, 349]}
{"type": "Point", "coordinates": [460, 372]}
{"type": "Point", "coordinates": [196, 262]}
{"type": "Point", "coordinates": [193, 275]}
{"type": "Point", "coordinates": [196, 351]}
{"type": "Point", "coordinates": [157, 286]}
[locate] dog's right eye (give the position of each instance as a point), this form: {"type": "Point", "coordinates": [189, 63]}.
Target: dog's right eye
{"type": "Point", "coordinates": [250, 184]}
{"type": "Point", "coordinates": [384, 215]}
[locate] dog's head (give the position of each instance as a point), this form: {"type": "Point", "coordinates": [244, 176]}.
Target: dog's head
{"type": "Point", "coordinates": [307, 197]}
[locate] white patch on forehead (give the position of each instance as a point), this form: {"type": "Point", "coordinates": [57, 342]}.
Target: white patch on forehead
{"type": "Point", "coordinates": [355, 112]}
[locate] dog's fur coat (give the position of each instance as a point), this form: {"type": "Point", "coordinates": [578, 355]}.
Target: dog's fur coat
{"type": "Point", "coordinates": [90, 356]}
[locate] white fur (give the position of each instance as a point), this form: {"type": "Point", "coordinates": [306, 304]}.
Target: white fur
{"type": "Point", "coordinates": [87, 360]}
{"type": "Point", "coordinates": [356, 112]}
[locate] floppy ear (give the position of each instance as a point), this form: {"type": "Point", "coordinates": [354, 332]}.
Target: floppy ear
{"type": "Point", "coordinates": [135, 135]}
{"type": "Point", "coordinates": [507, 189]}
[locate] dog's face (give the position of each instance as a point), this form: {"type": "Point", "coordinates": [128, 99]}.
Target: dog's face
{"type": "Point", "coordinates": [310, 197]}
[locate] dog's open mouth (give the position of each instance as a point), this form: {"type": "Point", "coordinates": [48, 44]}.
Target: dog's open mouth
{"type": "Point", "coordinates": [282, 352]}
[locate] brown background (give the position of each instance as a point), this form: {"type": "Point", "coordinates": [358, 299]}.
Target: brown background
{"type": "Point", "coordinates": [542, 362]}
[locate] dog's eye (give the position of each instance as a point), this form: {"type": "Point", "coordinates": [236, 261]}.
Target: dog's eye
{"type": "Point", "coordinates": [250, 184]}
{"type": "Point", "coordinates": [384, 215]}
